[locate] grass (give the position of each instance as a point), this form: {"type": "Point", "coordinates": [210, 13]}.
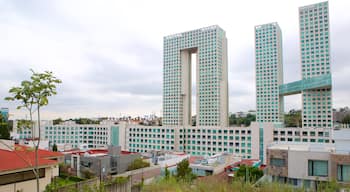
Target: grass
{"type": "Point", "coordinates": [63, 181]}
{"type": "Point", "coordinates": [210, 184]}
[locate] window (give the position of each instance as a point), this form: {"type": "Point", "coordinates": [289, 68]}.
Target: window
{"type": "Point", "coordinates": [20, 176]}
{"type": "Point", "coordinates": [343, 173]}
{"type": "Point", "coordinates": [318, 168]}
{"type": "Point", "coordinates": [278, 162]}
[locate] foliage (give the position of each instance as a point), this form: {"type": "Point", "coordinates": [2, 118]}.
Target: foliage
{"type": "Point", "coordinates": [293, 118]}
{"type": "Point", "coordinates": [32, 95]}
{"type": "Point", "coordinates": [213, 183]}
{"type": "Point", "coordinates": [167, 173]}
{"type": "Point", "coordinates": [4, 129]}
{"type": "Point", "coordinates": [121, 180]}
{"type": "Point", "coordinates": [57, 121]}
{"type": "Point", "coordinates": [84, 121]}
{"type": "Point", "coordinates": [63, 170]}
{"type": "Point", "coordinates": [248, 173]}
{"type": "Point", "coordinates": [35, 92]}
{"type": "Point", "coordinates": [54, 147]}
{"type": "Point", "coordinates": [184, 172]}
{"type": "Point", "coordinates": [59, 182]}
{"type": "Point", "coordinates": [346, 119]}
{"type": "Point", "coordinates": [137, 164]}
{"type": "Point", "coordinates": [87, 173]}
{"type": "Point", "coordinates": [23, 124]}
{"type": "Point", "coordinates": [238, 121]}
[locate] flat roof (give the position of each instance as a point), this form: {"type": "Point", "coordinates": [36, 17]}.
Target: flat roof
{"type": "Point", "coordinates": [314, 147]}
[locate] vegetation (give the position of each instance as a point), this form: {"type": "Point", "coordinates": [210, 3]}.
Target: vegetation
{"type": "Point", "coordinates": [121, 180]}
{"type": "Point", "coordinates": [293, 118]}
{"type": "Point", "coordinates": [184, 172]}
{"type": "Point", "coordinates": [88, 173]}
{"type": "Point", "coordinates": [248, 173]}
{"type": "Point", "coordinates": [346, 119]}
{"type": "Point", "coordinates": [33, 94]}
{"type": "Point", "coordinates": [238, 121]}
{"type": "Point", "coordinates": [54, 147]}
{"type": "Point", "coordinates": [138, 164]}
{"type": "Point", "coordinates": [4, 129]}
{"type": "Point", "coordinates": [84, 121]}
{"type": "Point", "coordinates": [57, 121]}
{"type": "Point", "coordinates": [214, 183]}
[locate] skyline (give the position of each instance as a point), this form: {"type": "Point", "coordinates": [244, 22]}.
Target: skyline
{"type": "Point", "coordinates": [117, 69]}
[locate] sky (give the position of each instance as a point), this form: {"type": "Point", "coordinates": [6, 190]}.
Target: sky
{"type": "Point", "coordinates": [109, 55]}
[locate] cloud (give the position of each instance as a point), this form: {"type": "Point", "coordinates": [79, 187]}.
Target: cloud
{"type": "Point", "coordinates": [109, 53]}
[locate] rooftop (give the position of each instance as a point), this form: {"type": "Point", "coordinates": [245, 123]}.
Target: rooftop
{"type": "Point", "coordinates": [23, 157]}
{"type": "Point", "coordinates": [312, 147]}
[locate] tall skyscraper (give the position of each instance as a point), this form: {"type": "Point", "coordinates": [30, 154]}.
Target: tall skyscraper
{"type": "Point", "coordinates": [269, 72]}
{"type": "Point", "coordinates": [315, 62]}
{"type": "Point", "coordinates": [210, 47]}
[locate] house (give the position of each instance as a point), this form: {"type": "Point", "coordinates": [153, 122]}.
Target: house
{"type": "Point", "coordinates": [17, 164]}
{"type": "Point", "coordinates": [101, 162]}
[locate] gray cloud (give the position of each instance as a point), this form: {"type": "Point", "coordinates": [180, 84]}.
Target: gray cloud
{"type": "Point", "coordinates": [109, 54]}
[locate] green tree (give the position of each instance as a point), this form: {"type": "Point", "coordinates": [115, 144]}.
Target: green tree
{"type": "Point", "coordinates": [138, 164]}
{"type": "Point", "coordinates": [33, 94]}
{"type": "Point", "coordinates": [346, 119]}
{"type": "Point", "coordinates": [184, 172]}
{"type": "Point", "coordinates": [57, 121]}
{"type": "Point", "coordinates": [167, 173]}
{"type": "Point", "coordinates": [54, 147]}
{"type": "Point", "coordinates": [293, 118]}
{"type": "Point", "coordinates": [248, 173]}
{"type": "Point", "coordinates": [4, 129]}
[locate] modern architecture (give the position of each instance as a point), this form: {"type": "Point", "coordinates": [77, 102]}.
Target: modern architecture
{"type": "Point", "coordinates": [209, 46]}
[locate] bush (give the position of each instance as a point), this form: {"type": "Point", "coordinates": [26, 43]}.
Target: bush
{"type": "Point", "coordinates": [184, 172]}
{"type": "Point", "coordinates": [121, 180]}
{"type": "Point", "coordinates": [248, 173]}
{"type": "Point", "coordinates": [138, 164]}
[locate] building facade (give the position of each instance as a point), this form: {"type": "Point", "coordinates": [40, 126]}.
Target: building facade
{"type": "Point", "coordinates": [269, 73]}
{"type": "Point", "coordinates": [307, 164]}
{"type": "Point", "coordinates": [92, 135]}
{"type": "Point", "coordinates": [315, 62]}
{"type": "Point", "coordinates": [210, 46]}
{"type": "Point", "coordinates": [316, 83]}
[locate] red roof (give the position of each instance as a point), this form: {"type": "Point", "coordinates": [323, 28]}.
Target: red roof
{"type": "Point", "coordinates": [24, 157]}
{"type": "Point", "coordinates": [42, 153]}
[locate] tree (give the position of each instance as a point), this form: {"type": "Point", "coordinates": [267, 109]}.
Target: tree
{"type": "Point", "coordinates": [346, 119]}
{"type": "Point", "coordinates": [4, 129]}
{"type": "Point", "coordinates": [54, 147]}
{"type": "Point", "coordinates": [57, 121]}
{"type": "Point", "coordinates": [167, 173]}
{"type": "Point", "coordinates": [33, 94]}
{"type": "Point", "coordinates": [137, 164]}
{"type": "Point", "coordinates": [248, 173]}
{"type": "Point", "coordinates": [293, 118]}
{"type": "Point", "coordinates": [184, 172]}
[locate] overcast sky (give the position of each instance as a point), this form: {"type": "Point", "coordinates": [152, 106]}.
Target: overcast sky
{"type": "Point", "coordinates": [109, 53]}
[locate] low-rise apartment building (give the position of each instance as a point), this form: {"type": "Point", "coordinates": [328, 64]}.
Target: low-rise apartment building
{"type": "Point", "coordinates": [304, 164]}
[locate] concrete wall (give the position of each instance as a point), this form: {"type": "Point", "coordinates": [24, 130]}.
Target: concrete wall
{"type": "Point", "coordinates": [342, 141]}
{"type": "Point", "coordinates": [298, 163]}
{"type": "Point", "coordinates": [125, 160]}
